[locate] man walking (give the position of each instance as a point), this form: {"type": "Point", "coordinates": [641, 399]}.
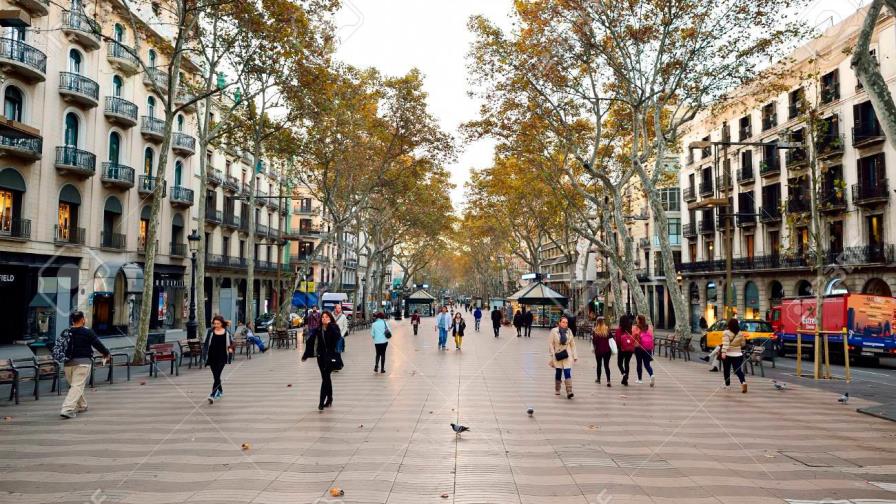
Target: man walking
{"type": "Point", "coordinates": [79, 357]}
{"type": "Point", "coordinates": [528, 319]}
{"type": "Point", "coordinates": [443, 323]}
{"type": "Point", "coordinates": [312, 321]}
{"type": "Point", "coordinates": [477, 316]}
{"type": "Point", "coordinates": [496, 320]}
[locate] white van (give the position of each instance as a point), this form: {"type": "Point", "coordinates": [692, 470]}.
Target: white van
{"type": "Point", "coordinates": [331, 299]}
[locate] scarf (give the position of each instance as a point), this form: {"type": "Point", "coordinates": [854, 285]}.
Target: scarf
{"type": "Point", "coordinates": [563, 336]}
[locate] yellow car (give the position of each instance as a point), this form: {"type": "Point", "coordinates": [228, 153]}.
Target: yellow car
{"type": "Point", "coordinates": [751, 329]}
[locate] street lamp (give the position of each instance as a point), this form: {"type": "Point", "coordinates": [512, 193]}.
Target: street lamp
{"type": "Point", "coordinates": [193, 241]}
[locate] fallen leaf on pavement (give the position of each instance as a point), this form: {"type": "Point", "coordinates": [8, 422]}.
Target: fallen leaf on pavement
{"type": "Point", "coordinates": [336, 492]}
{"type": "Point", "coordinates": [623, 396]}
{"type": "Point", "coordinates": [592, 427]}
{"type": "Point", "coordinates": [289, 384]}
{"type": "Point", "coordinates": [142, 383]}
{"type": "Point", "coordinates": [245, 446]}
{"type": "Point", "coordinates": [444, 496]}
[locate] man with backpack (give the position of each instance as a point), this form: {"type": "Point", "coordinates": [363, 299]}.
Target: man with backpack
{"type": "Point", "coordinates": [74, 348]}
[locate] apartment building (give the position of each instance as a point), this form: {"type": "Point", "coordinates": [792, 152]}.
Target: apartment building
{"type": "Point", "coordinates": [763, 190]}
{"type": "Point", "coordinates": [79, 147]}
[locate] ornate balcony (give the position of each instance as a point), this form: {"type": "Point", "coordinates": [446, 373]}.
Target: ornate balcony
{"type": "Point", "coordinates": [15, 143]}
{"type": "Point", "coordinates": [20, 59]}
{"type": "Point", "coordinates": [120, 111]}
{"type": "Point", "coordinates": [183, 144]}
{"type": "Point", "coordinates": [181, 196]}
{"type": "Point", "coordinates": [117, 176]}
{"type": "Point", "coordinates": [707, 226]}
{"type": "Point", "coordinates": [68, 235]}
{"type": "Point", "coordinates": [122, 57]}
{"type": "Point", "coordinates": [80, 28]}
{"type": "Point", "coordinates": [746, 175]}
{"type": "Point", "coordinates": [37, 8]}
{"type": "Point", "coordinates": [156, 77]}
{"type": "Point", "coordinates": [796, 159]}
{"type": "Point", "coordinates": [152, 129]}
{"type": "Point", "coordinates": [76, 88]}
{"type": "Point", "coordinates": [689, 230]}
{"type": "Point", "coordinates": [214, 177]}
{"type": "Point", "coordinates": [214, 216]}
{"type": "Point", "coordinates": [231, 183]}
{"type": "Point", "coordinates": [73, 161]}
{"type": "Point", "coordinates": [178, 249]}
{"type": "Point", "coordinates": [15, 229]}
{"type": "Point", "coordinates": [830, 146]}
{"type": "Point", "coordinates": [869, 194]}
{"type": "Point", "coordinates": [690, 193]}
{"type": "Point", "coordinates": [706, 188]}
{"type": "Point", "coordinates": [769, 214]}
{"type": "Point", "coordinates": [232, 221]}
{"type": "Point", "coordinates": [770, 167]}
{"type": "Point", "coordinates": [113, 241]}
{"type": "Point", "coordinates": [746, 220]}
{"type": "Point", "coordinates": [149, 186]}
{"type": "Point", "coordinates": [867, 135]}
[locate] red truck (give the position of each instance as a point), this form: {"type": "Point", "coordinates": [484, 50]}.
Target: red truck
{"type": "Point", "coordinates": [869, 322]}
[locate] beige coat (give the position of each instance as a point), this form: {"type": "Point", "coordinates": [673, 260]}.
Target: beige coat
{"type": "Point", "coordinates": [732, 344]}
{"type": "Point", "coordinates": [555, 346]}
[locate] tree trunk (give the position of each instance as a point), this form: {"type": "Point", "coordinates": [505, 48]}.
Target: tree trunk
{"type": "Point", "coordinates": [868, 72]}
{"type": "Point", "coordinates": [628, 267]}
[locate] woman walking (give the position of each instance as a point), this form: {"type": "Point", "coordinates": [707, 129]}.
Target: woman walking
{"type": "Point", "coordinates": [415, 321]}
{"type": "Point", "coordinates": [518, 323]}
{"type": "Point", "coordinates": [732, 354]}
{"type": "Point", "coordinates": [626, 343]}
{"type": "Point", "coordinates": [380, 333]}
{"type": "Point", "coordinates": [321, 343]}
{"type": "Point", "coordinates": [600, 339]}
{"type": "Point", "coordinates": [562, 346]}
{"type": "Point", "coordinates": [457, 329]}
{"type": "Point", "coordinates": [643, 347]}
{"type": "Point", "coordinates": [218, 347]}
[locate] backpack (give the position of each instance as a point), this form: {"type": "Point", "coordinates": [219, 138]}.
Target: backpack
{"type": "Point", "coordinates": [647, 340]}
{"type": "Point", "coordinates": [626, 343]}
{"type": "Point", "coordinates": [62, 349]}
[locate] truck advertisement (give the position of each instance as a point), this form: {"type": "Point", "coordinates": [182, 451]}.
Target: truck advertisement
{"type": "Point", "coordinates": [869, 322]}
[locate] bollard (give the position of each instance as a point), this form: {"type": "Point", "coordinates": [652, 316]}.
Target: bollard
{"type": "Point", "coordinates": [846, 354]}
{"type": "Point", "coordinates": [817, 355]}
{"type": "Point", "coordinates": [799, 353]}
{"type": "Point", "coordinates": [827, 358]}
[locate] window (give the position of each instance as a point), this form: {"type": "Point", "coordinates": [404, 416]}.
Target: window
{"type": "Point", "coordinates": [771, 199]}
{"type": "Point", "coordinates": [119, 33]}
{"type": "Point", "coordinates": [749, 246]}
{"type": "Point", "coordinates": [117, 85]}
{"type": "Point", "coordinates": [746, 164]}
{"type": "Point", "coordinates": [769, 116]}
{"type": "Point", "coordinates": [178, 172]}
{"type": "Point", "coordinates": [670, 199]}
{"type": "Point", "coordinates": [141, 234]}
{"type": "Point", "coordinates": [151, 106]}
{"type": "Point", "coordinates": [674, 231]}
{"type": "Point", "coordinates": [180, 123]}
{"type": "Point", "coordinates": [71, 129]}
{"type": "Point", "coordinates": [835, 233]}
{"type": "Point", "coordinates": [830, 87]}
{"type": "Point", "coordinates": [796, 99]}
{"type": "Point", "coordinates": [10, 207]}
{"type": "Point", "coordinates": [745, 128]}
{"type": "Point", "coordinates": [242, 249]}
{"type": "Point", "coordinates": [148, 156]}
{"type": "Point", "coordinates": [15, 33]}
{"type": "Point", "coordinates": [705, 152]}
{"type": "Point", "coordinates": [12, 103]}
{"type": "Point", "coordinates": [801, 237]}
{"type": "Point", "coordinates": [74, 61]}
{"type": "Point", "coordinates": [225, 246]}
{"type": "Point", "coordinates": [865, 122]}
{"type": "Point", "coordinates": [872, 172]}
{"type": "Point", "coordinates": [708, 247]}
{"type": "Point", "coordinates": [114, 145]}
{"type": "Point", "coordinates": [64, 221]}
{"type": "Point", "coordinates": [874, 227]}
{"type": "Point", "coordinates": [152, 58]}
{"type": "Point", "coordinates": [774, 242]}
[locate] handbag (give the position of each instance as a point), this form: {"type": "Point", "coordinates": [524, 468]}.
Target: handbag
{"type": "Point", "coordinates": [561, 355]}
{"type": "Point", "coordinates": [388, 333]}
{"type": "Point", "coordinates": [613, 348]}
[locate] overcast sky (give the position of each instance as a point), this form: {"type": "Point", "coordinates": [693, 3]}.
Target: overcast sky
{"type": "Point", "coordinates": [397, 35]}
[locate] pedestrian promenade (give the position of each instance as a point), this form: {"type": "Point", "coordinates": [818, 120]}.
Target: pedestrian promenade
{"type": "Point", "coordinates": [387, 436]}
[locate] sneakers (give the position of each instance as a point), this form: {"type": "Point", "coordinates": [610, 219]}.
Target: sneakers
{"type": "Point", "coordinates": [211, 399]}
{"type": "Point", "coordinates": [609, 384]}
{"type": "Point", "coordinates": [652, 381]}
{"type": "Point", "coordinates": [68, 414]}
{"type": "Point", "coordinates": [638, 381]}
{"type": "Point", "coordinates": [597, 380]}
{"type": "Point", "coordinates": [714, 370]}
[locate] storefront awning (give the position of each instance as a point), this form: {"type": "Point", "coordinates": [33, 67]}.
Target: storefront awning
{"type": "Point", "coordinates": [304, 299]}
{"type": "Point", "coordinates": [538, 294]}
{"type": "Point", "coordinates": [104, 277]}
{"type": "Point", "coordinates": [420, 296]}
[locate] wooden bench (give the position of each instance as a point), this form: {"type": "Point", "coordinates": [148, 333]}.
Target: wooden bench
{"type": "Point", "coordinates": [279, 338]}
{"type": "Point", "coordinates": [163, 352]}
{"type": "Point", "coordinates": [241, 344]}
{"type": "Point", "coordinates": [9, 375]}
{"type": "Point", "coordinates": [117, 354]}
{"type": "Point", "coordinates": [681, 348]}
{"type": "Point", "coordinates": [191, 348]}
{"type": "Point", "coordinates": [46, 368]}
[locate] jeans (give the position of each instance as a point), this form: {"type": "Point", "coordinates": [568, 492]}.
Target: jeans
{"type": "Point", "coordinates": [497, 328]}
{"type": "Point", "coordinates": [477, 325]}
{"type": "Point", "coordinates": [380, 355]}
{"type": "Point", "coordinates": [528, 331]}
{"type": "Point", "coordinates": [217, 368]}
{"type": "Point", "coordinates": [415, 328]}
{"type": "Point", "coordinates": [624, 361]}
{"type": "Point", "coordinates": [519, 331]}
{"type": "Point", "coordinates": [738, 363]}
{"type": "Point", "coordinates": [76, 376]}
{"type": "Point", "coordinates": [643, 357]}
{"type": "Point", "coordinates": [566, 373]}
{"type": "Point", "coordinates": [326, 384]}
{"type": "Point", "coordinates": [443, 337]}
{"type": "Point", "coordinates": [605, 359]}
{"type": "Point", "coordinates": [257, 342]}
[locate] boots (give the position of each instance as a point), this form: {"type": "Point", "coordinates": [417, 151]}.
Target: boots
{"type": "Point", "coordinates": [569, 394]}
{"type": "Point", "coordinates": [557, 387]}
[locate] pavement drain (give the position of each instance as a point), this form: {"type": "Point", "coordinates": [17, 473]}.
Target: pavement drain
{"type": "Point", "coordinates": [641, 462]}
{"type": "Point", "coordinates": [818, 459]}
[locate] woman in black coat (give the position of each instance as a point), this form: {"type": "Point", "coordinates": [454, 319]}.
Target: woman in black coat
{"type": "Point", "coordinates": [518, 323]}
{"type": "Point", "coordinates": [322, 344]}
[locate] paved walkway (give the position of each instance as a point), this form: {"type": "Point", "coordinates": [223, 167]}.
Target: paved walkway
{"type": "Point", "coordinates": [387, 437]}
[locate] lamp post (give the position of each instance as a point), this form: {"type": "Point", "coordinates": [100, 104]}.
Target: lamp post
{"type": "Point", "coordinates": [193, 241]}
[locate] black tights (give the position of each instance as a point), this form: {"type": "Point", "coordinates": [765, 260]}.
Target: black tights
{"type": "Point", "coordinates": [380, 355]}
{"type": "Point", "coordinates": [624, 362]}
{"type": "Point", "coordinates": [605, 359]}
{"type": "Point", "coordinates": [217, 368]}
{"type": "Point", "coordinates": [326, 385]}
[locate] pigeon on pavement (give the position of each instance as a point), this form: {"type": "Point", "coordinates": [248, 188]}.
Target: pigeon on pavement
{"type": "Point", "coordinates": [530, 411]}
{"type": "Point", "coordinates": [778, 385]}
{"type": "Point", "coordinates": [458, 429]}
{"type": "Point", "coordinates": [844, 398]}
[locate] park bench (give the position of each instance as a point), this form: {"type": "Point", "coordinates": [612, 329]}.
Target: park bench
{"type": "Point", "coordinates": [162, 352]}
{"type": "Point", "coordinates": [661, 343]}
{"type": "Point", "coordinates": [681, 348]}
{"type": "Point", "coordinates": [9, 375]}
{"type": "Point", "coordinates": [120, 355]}
{"type": "Point", "coordinates": [279, 338]}
{"type": "Point", "coordinates": [584, 330]}
{"type": "Point", "coordinates": [192, 349]}
{"type": "Point", "coordinates": [757, 354]}
{"type": "Point", "coordinates": [46, 369]}
{"type": "Point", "coordinates": [241, 344]}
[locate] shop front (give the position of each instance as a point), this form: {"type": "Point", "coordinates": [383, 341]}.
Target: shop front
{"type": "Point", "coordinates": [421, 302]}
{"type": "Point", "coordinates": [546, 304]}
{"type": "Point", "coordinates": [117, 289]}
{"type": "Point", "coordinates": [168, 297]}
{"type": "Point", "coordinates": [38, 293]}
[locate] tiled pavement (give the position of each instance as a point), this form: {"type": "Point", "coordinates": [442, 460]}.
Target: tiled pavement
{"type": "Point", "coordinates": [387, 438]}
